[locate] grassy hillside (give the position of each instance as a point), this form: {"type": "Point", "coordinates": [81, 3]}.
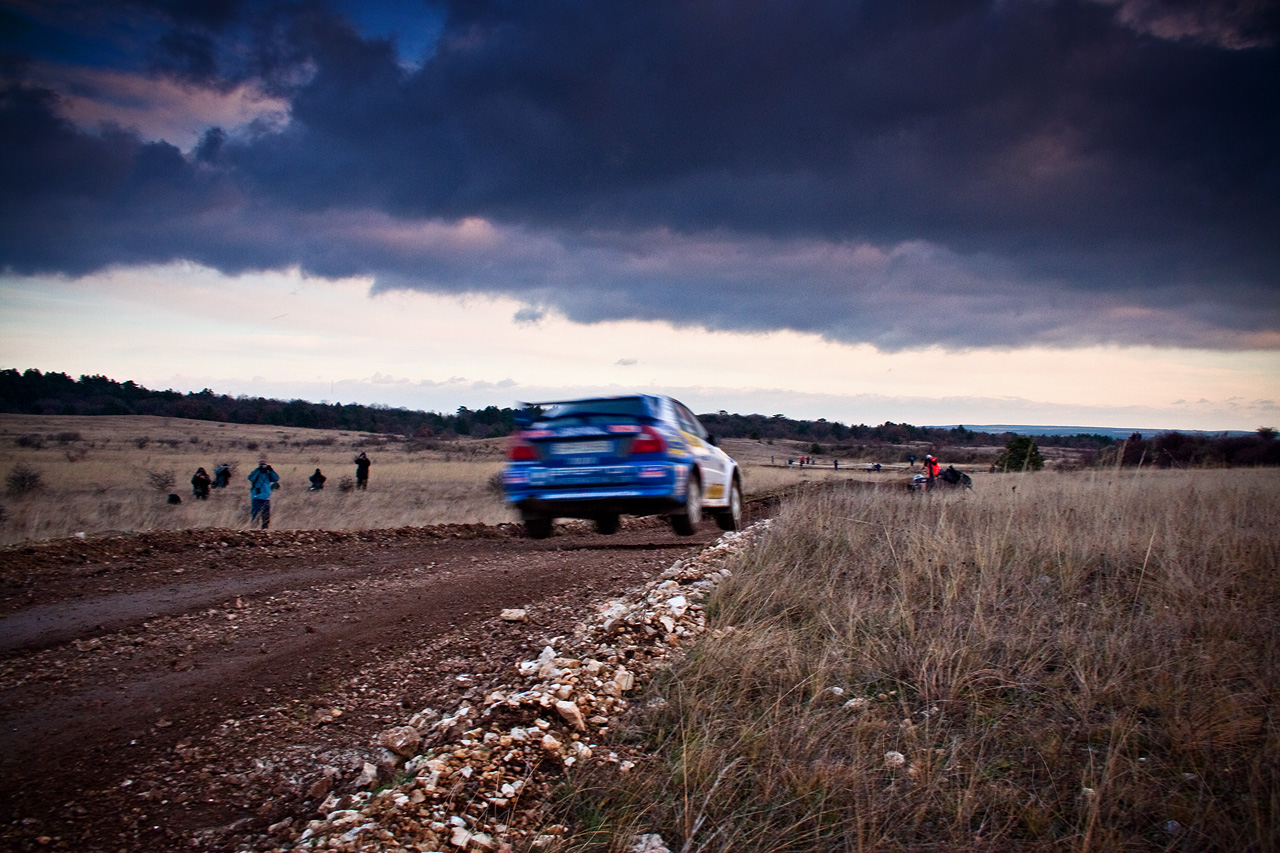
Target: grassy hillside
{"type": "Point", "coordinates": [1055, 662]}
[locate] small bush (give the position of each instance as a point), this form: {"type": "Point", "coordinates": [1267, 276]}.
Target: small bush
{"type": "Point", "coordinates": [161, 481]}
{"type": "Point", "coordinates": [22, 480]}
{"type": "Point", "coordinates": [75, 454]}
{"type": "Point", "coordinates": [195, 439]}
{"type": "Point", "coordinates": [253, 445]}
{"type": "Point", "coordinates": [1020, 454]}
{"type": "Point", "coordinates": [346, 484]}
{"type": "Point", "coordinates": [32, 442]}
{"type": "Point", "coordinates": [67, 437]}
{"type": "Point", "coordinates": [141, 441]}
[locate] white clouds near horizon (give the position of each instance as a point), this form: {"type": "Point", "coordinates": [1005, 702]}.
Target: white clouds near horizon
{"type": "Point", "coordinates": [292, 336]}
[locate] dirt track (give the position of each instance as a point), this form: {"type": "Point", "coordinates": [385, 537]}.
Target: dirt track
{"type": "Point", "coordinates": [179, 689]}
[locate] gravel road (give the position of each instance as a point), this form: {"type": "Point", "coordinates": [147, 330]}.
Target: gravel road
{"type": "Point", "coordinates": [178, 690]}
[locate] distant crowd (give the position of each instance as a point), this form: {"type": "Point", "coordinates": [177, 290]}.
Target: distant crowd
{"type": "Point", "coordinates": [263, 480]}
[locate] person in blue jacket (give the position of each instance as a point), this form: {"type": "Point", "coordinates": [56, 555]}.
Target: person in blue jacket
{"type": "Point", "coordinates": [263, 480]}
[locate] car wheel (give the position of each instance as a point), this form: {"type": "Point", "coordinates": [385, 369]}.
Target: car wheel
{"type": "Point", "coordinates": [685, 522]}
{"type": "Point", "coordinates": [731, 517]}
{"type": "Point", "coordinates": [538, 528]}
{"type": "Point", "coordinates": [607, 524]}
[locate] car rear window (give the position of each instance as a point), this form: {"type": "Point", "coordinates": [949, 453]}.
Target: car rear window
{"type": "Point", "coordinates": [588, 410]}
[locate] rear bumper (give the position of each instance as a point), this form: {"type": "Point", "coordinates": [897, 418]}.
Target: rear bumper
{"type": "Point", "coordinates": [644, 489]}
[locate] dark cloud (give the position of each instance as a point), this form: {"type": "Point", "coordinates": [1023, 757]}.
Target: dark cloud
{"type": "Point", "coordinates": [1059, 172]}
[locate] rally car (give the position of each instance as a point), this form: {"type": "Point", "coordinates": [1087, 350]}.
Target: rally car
{"type": "Point", "coordinates": [606, 457]}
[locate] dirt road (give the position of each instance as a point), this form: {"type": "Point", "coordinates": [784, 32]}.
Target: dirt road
{"type": "Point", "coordinates": [189, 689]}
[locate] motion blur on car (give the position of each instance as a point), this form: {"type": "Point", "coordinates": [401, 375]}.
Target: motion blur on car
{"type": "Point", "coordinates": [606, 457]}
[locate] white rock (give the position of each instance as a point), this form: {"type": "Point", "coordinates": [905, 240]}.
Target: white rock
{"type": "Point", "coordinates": [649, 843]}
{"type": "Point", "coordinates": [402, 740]}
{"type": "Point", "coordinates": [679, 604]}
{"type": "Point", "coordinates": [514, 614]}
{"type": "Point", "coordinates": [572, 714]}
{"type": "Point", "coordinates": [368, 775]}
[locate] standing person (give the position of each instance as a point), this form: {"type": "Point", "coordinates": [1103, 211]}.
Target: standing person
{"type": "Point", "coordinates": [200, 484]}
{"type": "Point", "coordinates": [362, 471]}
{"type": "Point", "coordinates": [932, 468]}
{"type": "Point", "coordinates": [317, 481]}
{"type": "Point", "coordinates": [222, 476]}
{"type": "Point", "coordinates": [262, 481]}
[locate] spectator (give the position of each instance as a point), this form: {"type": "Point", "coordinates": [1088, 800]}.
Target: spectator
{"type": "Point", "coordinates": [317, 481]}
{"type": "Point", "coordinates": [263, 480]}
{"type": "Point", "coordinates": [932, 468]}
{"type": "Point", "coordinates": [200, 484]}
{"type": "Point", "coordinates": [362, 471]}
{"type": "Point", "coordinates": [222, 476]}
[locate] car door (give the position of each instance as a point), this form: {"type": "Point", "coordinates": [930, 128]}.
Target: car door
{"type": "Point", "coordinates": [711, 461]}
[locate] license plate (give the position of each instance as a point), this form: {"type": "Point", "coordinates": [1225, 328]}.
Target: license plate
{"type": "Point", "coordinates": [581, 448]}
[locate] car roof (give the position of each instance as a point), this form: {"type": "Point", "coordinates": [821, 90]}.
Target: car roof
{"type": "Point", "coordinates": [597, 399]}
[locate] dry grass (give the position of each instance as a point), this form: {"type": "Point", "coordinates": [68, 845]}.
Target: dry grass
{"type": "Point", "coordinates": [1051, 662]}
{"type": "Point", "coordinates": [102, 474]}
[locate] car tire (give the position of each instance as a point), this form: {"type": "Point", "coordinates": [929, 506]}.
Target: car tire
{"type": "Point", "coordinates": [538, 528]}
{"type": "Point", "coordinates": [731, 517]}
{"type": "Point", "coordinates": [607, 524]}
{"type": "Point", "coordinates": [685, 521]}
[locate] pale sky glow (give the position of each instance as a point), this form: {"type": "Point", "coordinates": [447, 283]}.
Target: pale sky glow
{"type": "Point", "coordinates": [289, 335]}
{"type": "Point", "coordinates": [1067, 216]}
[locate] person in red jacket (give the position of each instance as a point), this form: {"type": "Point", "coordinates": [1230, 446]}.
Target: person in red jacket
{"type": "Point", "coordinates": [932, 468]}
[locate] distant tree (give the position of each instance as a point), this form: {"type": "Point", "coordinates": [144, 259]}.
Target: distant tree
{"type": "Point", "coordinates": [1266, 433]}
{"type": "Point", "coordinates": [1020, 454]}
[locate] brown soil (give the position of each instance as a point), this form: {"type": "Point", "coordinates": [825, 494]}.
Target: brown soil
{"type": "Point", "coordinates": [189, 689]}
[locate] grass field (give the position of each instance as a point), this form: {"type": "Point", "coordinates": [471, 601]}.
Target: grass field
{"type": "Point", "coordinates": [102, 474]}
{"type": "Point", "coordinates": [1050, 662]}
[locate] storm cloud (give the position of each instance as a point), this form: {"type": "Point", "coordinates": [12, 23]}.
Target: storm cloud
{"type": "Point", "coordinates": [905, 174]}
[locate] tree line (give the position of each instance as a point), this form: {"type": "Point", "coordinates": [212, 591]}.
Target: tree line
{"type": "Point", "coordinates": [33, 392]}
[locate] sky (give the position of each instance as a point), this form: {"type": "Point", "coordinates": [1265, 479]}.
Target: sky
{"type": "Point", "coordinates": [1014, 211]}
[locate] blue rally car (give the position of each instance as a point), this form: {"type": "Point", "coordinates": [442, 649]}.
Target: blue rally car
{"type": "Point", "coordinates": [602, 458]}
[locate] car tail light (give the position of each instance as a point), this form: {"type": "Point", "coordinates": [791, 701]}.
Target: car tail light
{"type": "Point", "coordinates": [648, 441]}
{"type": "Point", "coordinates": [520, 450]}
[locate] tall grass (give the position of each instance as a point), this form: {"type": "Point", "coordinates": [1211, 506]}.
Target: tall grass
{"type": "Point", "coordinates": [108, 479]}
{"type": "Point", "coordinates": [1078, 662]}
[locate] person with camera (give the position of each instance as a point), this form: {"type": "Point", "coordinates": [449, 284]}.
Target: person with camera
{"type": "Point", "coordinates": [263, 480]}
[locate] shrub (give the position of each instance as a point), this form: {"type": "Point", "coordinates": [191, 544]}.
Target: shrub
{"type": "Point", "coordinates": [33, 442]}
{"type": "Point", "coordinates": [1020, 454]}
{"type": "Point", "coordinates": [22, 480]}
{"type": "Point", "coordinates": [161, 481]}
{"type": "Point", "coordinates": [141, 441]}
{"type": "Point", "coordinates": [346, 484]}
{"type": "Point", "coordinates": [67, 437]}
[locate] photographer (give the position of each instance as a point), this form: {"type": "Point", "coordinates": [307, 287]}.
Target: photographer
{"type": "Point", "coordinates": [263, 480]}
